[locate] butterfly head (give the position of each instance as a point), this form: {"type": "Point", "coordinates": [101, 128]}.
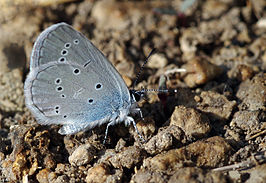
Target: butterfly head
{"type": "Point", "coordinates": [136, 94]}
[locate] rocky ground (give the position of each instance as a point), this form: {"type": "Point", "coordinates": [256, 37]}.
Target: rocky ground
{"type": "Point", "coordinates": [209, 127]}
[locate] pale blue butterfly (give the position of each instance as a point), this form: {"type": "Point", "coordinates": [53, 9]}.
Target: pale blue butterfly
{"type": "Point", "coordinates": [73, 84]}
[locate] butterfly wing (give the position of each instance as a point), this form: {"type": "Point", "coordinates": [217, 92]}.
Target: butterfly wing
{"type": "Point", "coordinates": [80, 91]}
{"type": "Point", "coordinates": [60, 42]}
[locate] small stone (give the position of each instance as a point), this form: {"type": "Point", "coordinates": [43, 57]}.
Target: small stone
{"type": "Point", "coordinates": [129, 157]}
{"type": "Point", "coordinates": [2, 155]}
{"type": "Point", "coordinates": [49, 161]}
{"type": "Point", "coordinates": [245, 72]}
{"type": "Point", "coordinates": [241, 72]}
{"type": "Point", "coordinates": [148, 177]}
{"type": "Point", "coordinates": [193, 174]}
{"type": "Point", "coordinates": [164, 162]}
{"type": "Point", "coordinates": [252, 93]}
{"type": "Point", "coordinates": [188, 43]}
{"type": "Point", "coordinates": [109, 15]}
{"type": "Point", "coordinates": [164, 139]}
{"type": "Point", "coordinates": [159, 143]}
{"type": "Point", "coordinates": [97, 173]}
{"type": "Point", "coordinates": [42, 176]}
{"type": "Point", "coordinates": [106, 155]}
{"type": "Point", "coordinates": [52, 177]}
{"type": "Point", "coordinates": [197, 98]}
{"type": "Point", "coordinates": [19, 164]}
{"type": "Point", "coordinates": [60, 168]}
{"type": "Point", "coordinates": [62, 178]}
{"type": "Point", "coordinates": [258, 7]}
{"type": "Point", "coordinates": [33, 168]}
{"type": "Point", "coordinates": [244, 36]}
{"type": "Point", "coordinates": [208, 7]}
{"type": "Point", "coordinates": [258, 174]}
{"type": "Point", "coordinates": [247, 12]}
{"type": "Point", "coordinates": [200, 71]}
{"type": "Point", "coordinates": [217, 106]}
{"type": "Point", "coordinates": [82, 155]}
{"type": "Point", "coordinates": [157, 61]}
{"type": "Point", "coordinates": [191, 121]}
{"type": "Point", "coordinates": [261, 23]}
{"type": "Point", "coordinates": [234, 175]}
{"type": "Point", "coordinates": [120, 145]}
{"type": "Point", "coordinates": [246, 120]}
{"type": "Point", "coordinates": [146, 128]}
{"type": "Point", "coordinates": [126, 69]}
{"type": "Point", "coordinates": [212, 152]}
{"type": "Point", "coordinates": [117, 176]}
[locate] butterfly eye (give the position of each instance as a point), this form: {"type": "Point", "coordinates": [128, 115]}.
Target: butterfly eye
{"type": "Point", "coordinates": [137, 95]}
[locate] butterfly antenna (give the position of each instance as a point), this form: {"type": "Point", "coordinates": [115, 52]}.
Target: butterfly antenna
{"type": "Point", "coordinates": [155, 90]}
{"type": "Point", "coordinates": [141, 69]}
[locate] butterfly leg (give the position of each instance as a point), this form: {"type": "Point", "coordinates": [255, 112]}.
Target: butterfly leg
{"type": "Point", "coordinates": [112, 122]}
{"type": "Point", "coordinates": [140, 113]}
{"type": "Point", "coordinates": [130, 120]}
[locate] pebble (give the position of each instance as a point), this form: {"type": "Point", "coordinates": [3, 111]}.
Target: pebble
{"type": "Point", "coordinates": [121, 143]}
{"type": "Point", "coordinates": [194, 174]}
{"type": "Point", "coordinates": [19, 165]}
{"type": "Point", "coordinates": [200, 71]}
{"type": "Point", "coordinates": [244, 72]}
{"type": "Point", "coordinates": [198, 153]}
{"type": "Point", "coordinates": [191, 121]}
{"type": "Point", "coordinates": [128, 157]}
{"type": "Point", "coordinates": [82, 155]}
{"type": "Point", "coordinates": [148, 177]}
{"type": "Point", "coordinates": [157, 61]}
{"type": "Point", "coordinates": [98, 174]}
{"type": "Point", "coordinates": [42, 176]}
{"type": "Point", "coordinates": [164, 140]}
{"type": "Point", "coordinates": [247, 120]}
{"type": "Point", "coordinates": [261, 23]}
{"type": "Point", "coordinates": [146, 128]}
{"type": "Point", "coordinates": [252, 93]}
{"type": "Point", "coordinates": [60, 179]}
{"type": "Point", "coordinates": [257, 174]}
{"type": "Point", "coordinates": [110, 15]}
{"type": "Point", "coordinates": [216, 106]}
